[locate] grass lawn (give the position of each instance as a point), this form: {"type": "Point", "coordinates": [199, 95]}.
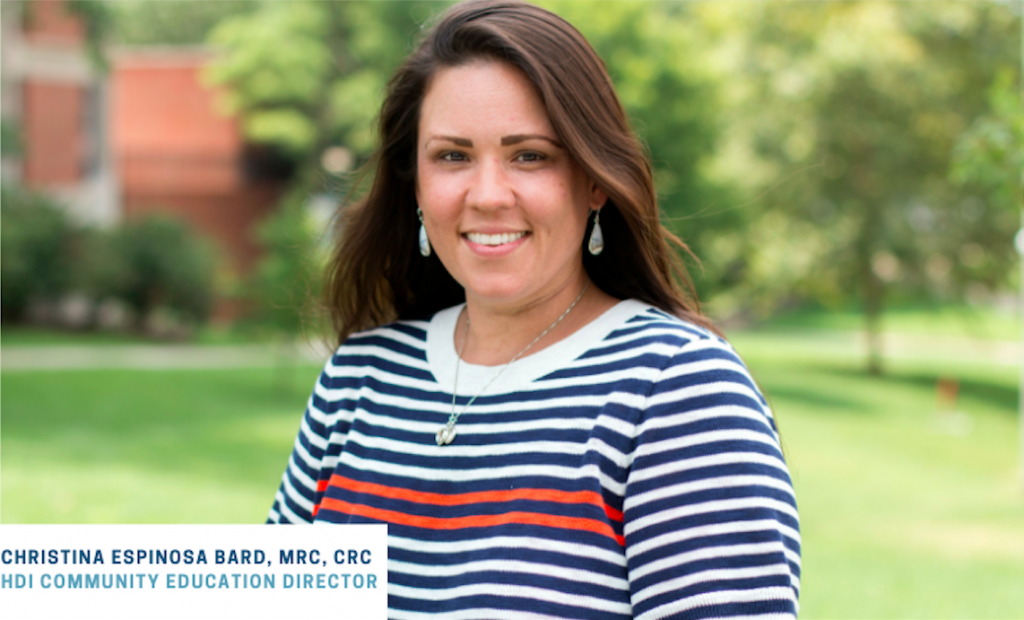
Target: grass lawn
{"type": "Point", "coordinates": [905, 513]}
{"type": "Point", "coordinates": [21, 335]}
{"type": "Point", "coordinates": [32, 336]}
{"type": "Point", "coordinates": [950, 320]}
{"type": "Point", "coordinates": [147, 447]}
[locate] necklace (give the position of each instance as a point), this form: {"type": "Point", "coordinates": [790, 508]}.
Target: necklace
{"type": "Point", "coordinates": [446, 434]}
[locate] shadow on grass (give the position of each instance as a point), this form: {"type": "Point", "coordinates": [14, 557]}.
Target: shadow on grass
{"type": "Point", "coordinates": [832, 401]}
{"type": "Point", "coordinates": [995, 392]}
{"type": "Point", "coordinates": [812, 384]}
{"type": "Point", "coordinates": [1001, 396]}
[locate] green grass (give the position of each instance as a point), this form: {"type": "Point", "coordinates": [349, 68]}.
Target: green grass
{"type": "Point", "coordinates": [961, 321]}
{"type": "Point", "coordinates": [22, 335]}
{"type": "Point", "coordinates": [147, 447]}
{"type": "Point", "coordinates": [901, 518]}
{"type": "Point", "coordinates": [14, 335]}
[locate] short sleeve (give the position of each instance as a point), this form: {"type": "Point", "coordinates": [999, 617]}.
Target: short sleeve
{"type": "Point", "coordinates": [710, 517]}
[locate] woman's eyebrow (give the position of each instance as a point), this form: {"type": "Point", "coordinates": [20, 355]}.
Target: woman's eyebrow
{"type": "Point", "coordinates": [517, 138]}
{"type": "Point", "coordinates": [454, 139]}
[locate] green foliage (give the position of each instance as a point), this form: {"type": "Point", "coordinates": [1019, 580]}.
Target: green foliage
{"type": "Point", "coordinates": [653, 52]}
{"type": "Point", "coordinates": [307, 75]}
{"type": "Point", "coordinates": [10, 139]}
{"type": "Point", "coordinates": [150, 263]}
{"type": "Point", "coordinates": [988, 160]}
{"type": "Point", "coordinates": [38, 250]}
{"type": "Point", "coordinates": [844, 118]}
{"type": "Point", "coordinates": [286, 281]}
{"type": "Point", "coordinates": [153, 263]}
{"type": "Point", "coordinates": [170, 22]}
{"type": "Point", "coordinates": [276, 66]}
{"type": "Point", "coordinates": [98, 23]}
{"type": "Point", "coordinates": [989, 152]}
{"type": "Point", "coordinates": [803, 150]}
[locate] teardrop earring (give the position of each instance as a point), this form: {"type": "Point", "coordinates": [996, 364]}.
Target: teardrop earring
{"type": "Point", "coordinates": [596, 245]}
{"type": "Point", "coordinates": [424, 242]}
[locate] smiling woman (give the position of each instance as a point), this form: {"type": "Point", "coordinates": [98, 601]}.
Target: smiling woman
{"type": "Point", "coordinates": [549, 429]}
{"type": "Point", "coordinates": [504, 204]}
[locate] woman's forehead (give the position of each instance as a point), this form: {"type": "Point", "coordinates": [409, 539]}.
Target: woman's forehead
{"type": "Point", "coordinates": [483, 100]}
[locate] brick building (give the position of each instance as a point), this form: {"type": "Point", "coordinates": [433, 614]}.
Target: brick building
{"type": "Point", "coordinates": [144, 137]}
{"type": "Point", "coordinates": [176, 154]}
{"type": "Point", "coordinates": [57, 101]}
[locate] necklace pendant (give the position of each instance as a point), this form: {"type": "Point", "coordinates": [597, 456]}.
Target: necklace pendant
{"type": "Point", "coordinates": [445, 435]}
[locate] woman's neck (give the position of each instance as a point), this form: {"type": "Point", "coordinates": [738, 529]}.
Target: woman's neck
{"type": "Point", "coordinates": [497, 334]}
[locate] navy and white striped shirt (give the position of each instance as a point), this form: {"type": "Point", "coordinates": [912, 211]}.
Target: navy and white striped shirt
{"type": "Point", "coordinates": [631, 470]}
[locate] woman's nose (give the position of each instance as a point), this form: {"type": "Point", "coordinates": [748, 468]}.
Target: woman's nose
{"type": "Point", "coordinates": [491, 187]}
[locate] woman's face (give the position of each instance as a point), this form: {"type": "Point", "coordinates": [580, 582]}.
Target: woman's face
{"type": "Point", "coordinates": [504, 204]}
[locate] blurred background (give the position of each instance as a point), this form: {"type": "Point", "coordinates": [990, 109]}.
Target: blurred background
{"type": "Point", "coordinates": [848, 174]}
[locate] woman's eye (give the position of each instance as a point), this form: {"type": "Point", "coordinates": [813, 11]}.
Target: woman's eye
{"type": "Point", "coordinates": [530, 157]}
{"type": "Point", "coordinates": [454, 156]}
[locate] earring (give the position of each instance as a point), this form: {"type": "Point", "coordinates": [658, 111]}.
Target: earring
{"type": "Point", "coordinates": [424, 242]}
{"type": "Point", "coordinates": [596, 245]}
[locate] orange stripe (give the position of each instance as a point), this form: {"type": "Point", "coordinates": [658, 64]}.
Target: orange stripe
{"type": "Point", "coordinates": [477, 497]}
{"type": "Point", "coordinates": [455, 523]}
{"type": "Point", "coordinates": [321, 486]}
{"type": "Point", "coordinates": [614, 515]}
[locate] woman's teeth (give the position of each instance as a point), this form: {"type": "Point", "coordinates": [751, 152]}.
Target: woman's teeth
{"type": "Point", "coordinates": [500, 239]}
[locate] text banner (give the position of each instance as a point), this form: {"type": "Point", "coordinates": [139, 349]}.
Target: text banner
{"type": "Point", "coordinates": [193, 571]}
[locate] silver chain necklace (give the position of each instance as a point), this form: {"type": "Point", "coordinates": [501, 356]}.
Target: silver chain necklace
{"type": "Point", "coordinates": [446, 434]}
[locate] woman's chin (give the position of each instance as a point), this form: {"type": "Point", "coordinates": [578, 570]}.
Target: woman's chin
{"type": "Point", "coordinates": [494, 295]}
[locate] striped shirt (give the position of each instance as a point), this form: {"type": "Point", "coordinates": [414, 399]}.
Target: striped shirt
{"type": "Point", "coordinates": [630, 470]}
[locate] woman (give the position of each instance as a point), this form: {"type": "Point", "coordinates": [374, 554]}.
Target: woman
{"type": "Point", "coordinates": [550, 427]}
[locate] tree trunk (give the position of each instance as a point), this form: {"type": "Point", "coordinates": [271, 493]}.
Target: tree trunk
{"type": "Point", "coordinates": [872, 288]}
{"type": "Point", "coordinates": [872, 327]}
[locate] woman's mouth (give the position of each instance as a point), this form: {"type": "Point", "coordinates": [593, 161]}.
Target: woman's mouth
{"type": "Point", "coordinates": [495, 240]}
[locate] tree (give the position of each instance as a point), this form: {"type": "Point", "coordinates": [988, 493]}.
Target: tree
{"type": "Point", "coordinates": [39, 248]}
{"type": "Point", "coordinates": [304, 76]}
{"type": "Point", "coordinates": [653, 53]}
{"type": "Point", "coordinates": [169, 22]}
{"type": "Point", "coordinates": [846, 117]}
{"type": "Point", "coordinates": [987, 161]}
{"type": "Point", "coordinates": [285, 280]}
{"type": "Point", "coordinates": [154, 263]}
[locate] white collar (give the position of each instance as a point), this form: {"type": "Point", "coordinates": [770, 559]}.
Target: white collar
{"type": "Point", "coordinates": [441, 355]}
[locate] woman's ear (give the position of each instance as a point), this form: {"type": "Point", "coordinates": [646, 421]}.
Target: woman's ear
{"type": "Point", "coordinates": [597, 197]}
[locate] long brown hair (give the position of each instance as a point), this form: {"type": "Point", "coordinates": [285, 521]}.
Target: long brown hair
{"type": "Point", "coordinates": [376, 273]}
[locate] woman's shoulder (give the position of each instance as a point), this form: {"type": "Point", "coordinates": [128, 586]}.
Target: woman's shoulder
{"type": "Point", "coordinates": [410, 331]}
{"type": "Point", "coordinates": [642, 324]}
{"type": "Point", "coordinates": [684, 353]}
{"type": "Point", "coordinates": [399, 342]}
{"type": "Point", "coordinates": [404, 341]}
